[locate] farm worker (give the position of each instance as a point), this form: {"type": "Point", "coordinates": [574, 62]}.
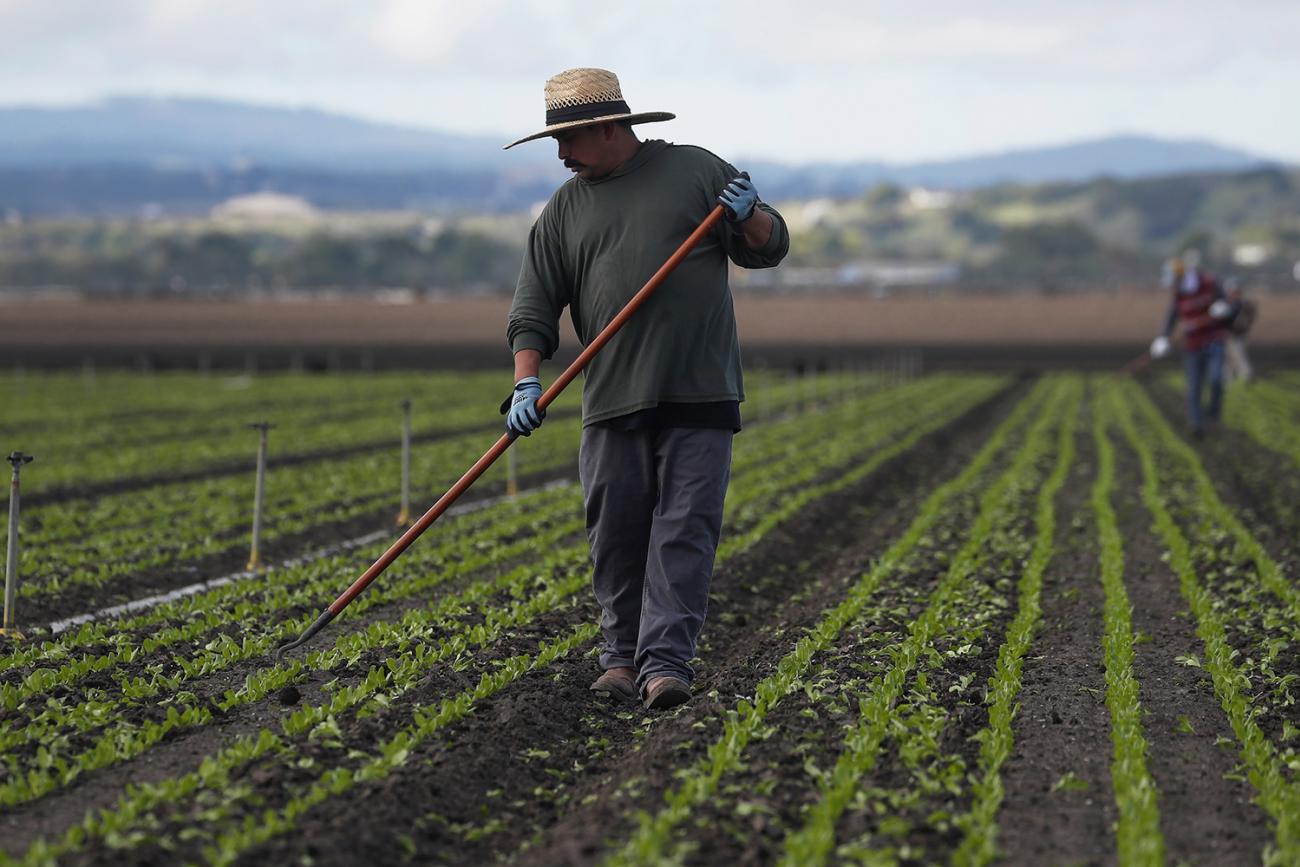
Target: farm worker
{"type": "Point", "coordinates": [1238, 363]}
{"type": "Point", "coordinates": [1197, 300]}
{"type": "Point", "coordinates": [661, 401]}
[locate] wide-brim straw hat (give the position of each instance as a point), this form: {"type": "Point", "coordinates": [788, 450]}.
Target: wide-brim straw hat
{"type": "Point", "coordinates": [583, 97]}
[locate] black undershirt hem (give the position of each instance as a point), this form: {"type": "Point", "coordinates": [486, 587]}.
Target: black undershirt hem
{"type": "Point", "coordinates": [718, 415]}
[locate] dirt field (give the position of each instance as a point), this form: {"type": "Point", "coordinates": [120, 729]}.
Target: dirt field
{"type": "Point", "coordinates": [955, 619]}
{"type": "Point", "coordinates": [988, 321]}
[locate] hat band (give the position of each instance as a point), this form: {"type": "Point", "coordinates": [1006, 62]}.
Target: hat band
{"type": "Point", "coordinates": [586, 111]}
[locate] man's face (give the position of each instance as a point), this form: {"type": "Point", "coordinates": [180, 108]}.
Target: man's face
{"type": "Point", "coordinates": [586, 150]}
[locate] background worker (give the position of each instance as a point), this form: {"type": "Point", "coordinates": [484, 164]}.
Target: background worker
{"type": "Point", "coordinates": [1198, 302]}
{"type": "Point", "coordinates": [661, 401]}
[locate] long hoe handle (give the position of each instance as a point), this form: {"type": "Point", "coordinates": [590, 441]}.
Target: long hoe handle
{"type": "Point", "coordinates": [481, 465]}
{"type": "Point", "coordinates": [1139, 363]}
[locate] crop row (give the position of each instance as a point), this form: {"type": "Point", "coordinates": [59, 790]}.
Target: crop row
{"type": "Point", "coordinates": [235, 842]}
{"type": "Point", "coordinates": [196, 660]}
{"type": "Point", "coordinates": [906, 707]}
{"type": "Point", "coordinates": [127, 406]}
{"type": "Point", "coordinates": [653, 840]}
{"type": "Point", "coordinates": [173, 440]}
{"type": "Point", "coordinates": [190, 618]}
{"type": "Point", "coordinates": [903, 705]}
{"type": "Point", "coordinates": [751, 800]}
{"type": "Point", "coordinates": [92, 542]}
{"type": "Point", "coordinates": [1251, 687]}
{"type": "Point", "coordinates": [133, 402]}
{"type": "Point", "coordinates": [98, 644]}
{"type": "Point", "coordinates": [124, 739]}
{"type": "Point", "coordinates": [1269, 414]}
{"type": "Point", "coordinates": [1139, 839]}
{"type": "Point", "coordinates": [978, 844]}
{"type": "Point", "coordinates": [785, 440]}
{"type": "Point", "coordinates": [207, 518]}
{"type": "Point", "coordinates": [172, 530]}
{"type": "Point", "coordinates": [425, 720]}
{"type": "Point", "coordinates": [186, 428]}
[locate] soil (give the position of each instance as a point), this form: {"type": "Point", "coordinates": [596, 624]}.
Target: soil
{"type": "Point", "coordinates": [243, 467]}
{"type": "Point", "coordinates": [1207, 815]}
{"type": "Point", "coordinates": [448, 328]}
{"type": "Point", "coordinates": [1063, 726]}
{"type": "Point", "coordinates": [544, 772]}
{"type": "Point", "coordinates": [581, 766]}
{"type": "Point", "coordinates": [1248, 476]}
{"type": "Point", "coordinates": [82, 598]}
{"type": "Point", "coordinates": [181, 752]}
{"type": "Point", "coordinates": [1255, 484]}
{"type": "Point", "coordinates": [802, 731]}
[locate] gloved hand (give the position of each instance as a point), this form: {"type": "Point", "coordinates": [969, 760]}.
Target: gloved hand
{"type": "Point", "coordinates": [1221, 309]}
{"type": "Point", "coordinates": [739, 198]}
{"type": "Point", "coordinates": [1160, 347]}
{"type": "Point", "coordinates": [520, 408]}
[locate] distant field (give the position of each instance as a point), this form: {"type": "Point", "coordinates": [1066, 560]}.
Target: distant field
{"type": "Point", "coordinates": [838, 320]}
{"type": "Point", "coordinates": [42, 329]}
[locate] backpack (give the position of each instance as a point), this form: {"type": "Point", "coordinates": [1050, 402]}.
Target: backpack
{"type": "Point", "coordinates": [1245, 317]}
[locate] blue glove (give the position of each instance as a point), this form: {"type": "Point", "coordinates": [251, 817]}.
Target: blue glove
{"type": "Point", "coordinates": [520, 408]}
{"type": "Point", "coordinates": [739, 199]}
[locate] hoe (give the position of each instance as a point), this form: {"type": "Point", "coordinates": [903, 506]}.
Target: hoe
{"type": "Point", "coordinates": [480, 466]}
{"type": "Point", "coordinates": [1141, 363]}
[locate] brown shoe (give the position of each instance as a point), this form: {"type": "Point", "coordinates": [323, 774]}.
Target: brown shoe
{"type": "Point", "coordinates": [617, 683]}
{"type": "Point", "coordinates": [664, 692]}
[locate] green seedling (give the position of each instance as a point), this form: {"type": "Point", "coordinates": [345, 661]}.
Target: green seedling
{"type": "Point", "coordinates": [1070, 782]}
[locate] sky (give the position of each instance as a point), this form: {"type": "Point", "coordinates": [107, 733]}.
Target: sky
{"type": "Point", "coordinates": [775, 79]}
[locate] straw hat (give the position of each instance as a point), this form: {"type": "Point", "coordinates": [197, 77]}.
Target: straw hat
{"type": "Point", "coordinates": [582, 97]}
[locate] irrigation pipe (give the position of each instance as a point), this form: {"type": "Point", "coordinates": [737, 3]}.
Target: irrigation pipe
{"type": "Point", "coordinates": [147, 602]}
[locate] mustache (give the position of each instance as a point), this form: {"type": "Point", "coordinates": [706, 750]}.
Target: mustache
{"type": "Point", "coordinates": [574, 164]}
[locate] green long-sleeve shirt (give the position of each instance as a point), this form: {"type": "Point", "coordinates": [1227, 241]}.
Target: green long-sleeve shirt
{"type": "Point", "coordinates": [597, 242]}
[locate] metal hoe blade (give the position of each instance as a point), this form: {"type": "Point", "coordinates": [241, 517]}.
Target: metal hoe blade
{"type": "Point", "coordinates": [326, 616]}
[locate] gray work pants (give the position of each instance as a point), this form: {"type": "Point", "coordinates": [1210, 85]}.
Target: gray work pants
{"type": "Point", "coordinates": [654, 515]}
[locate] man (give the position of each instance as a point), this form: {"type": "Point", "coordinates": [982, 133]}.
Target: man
{"type": "Point", "coordinates": [1198, 301]}
{"type": "Point", "coordinates": [661, 401]}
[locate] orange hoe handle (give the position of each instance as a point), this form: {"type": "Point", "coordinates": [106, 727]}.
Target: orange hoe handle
{"type": "Point", "coordinates": [1139, 363]}
{"type": "Point", "coordinates": [481, 465]}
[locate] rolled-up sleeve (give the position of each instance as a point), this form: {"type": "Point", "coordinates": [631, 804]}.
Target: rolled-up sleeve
{"type": "Point", "coordinates": [733, 239]}
{"type": "Point", "coordinates": [767, 256]}
{"type": "Point", "coordinates": [540, 295]}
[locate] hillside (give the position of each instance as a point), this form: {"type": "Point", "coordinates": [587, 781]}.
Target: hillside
{"type": "Point", "coordinates": [1065, 235]}
{"type": "Point", "coordinates": [204, 133]}
{"type": "Point", "coordinates": [1056, 237]}
{"type": "Point", "coordinates": [127, 155]}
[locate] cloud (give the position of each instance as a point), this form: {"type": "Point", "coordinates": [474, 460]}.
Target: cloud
{"type": "Point", "coordinates": [1113, 39]}
{"type": "Point", "coordinates": [877, 76]}
{"type": "Point", "coordinates": [432, 34]}
{"type": "Point", "coordinates": [495, 39]}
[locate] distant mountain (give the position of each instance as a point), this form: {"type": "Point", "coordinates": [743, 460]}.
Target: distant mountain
{"type": "Point", "coordinates": [1116, 157]}
{"type": "Point", "coordinates": [186, 155]}
{"type": "Point", "coordinates": [1122, 157]}
{"type": "Point", "coordinates": [183, 156]}
{"type": "Point", "coordinates": [202, 133]}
